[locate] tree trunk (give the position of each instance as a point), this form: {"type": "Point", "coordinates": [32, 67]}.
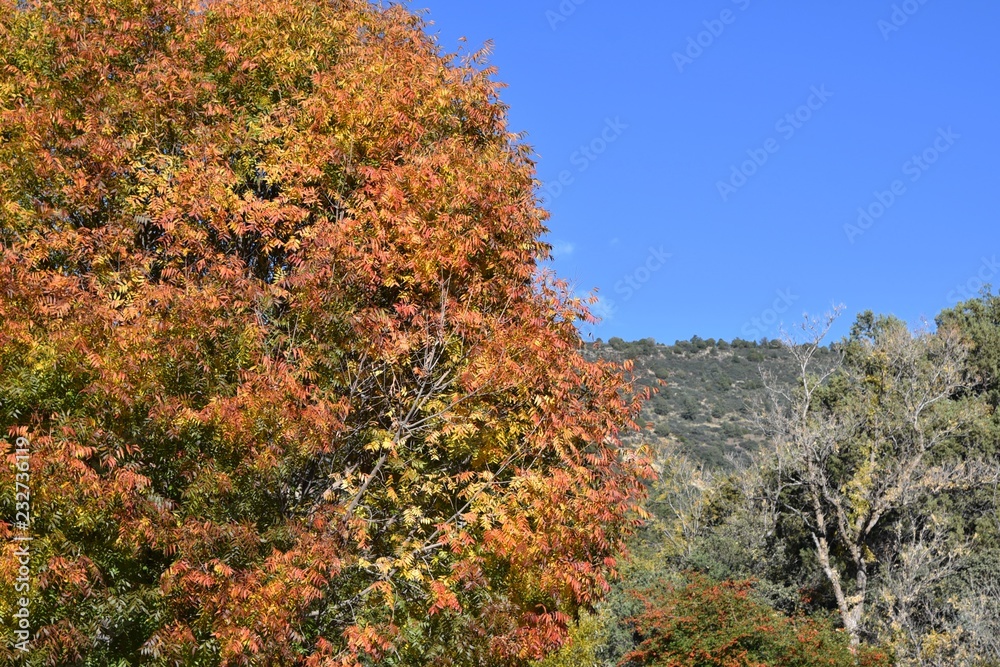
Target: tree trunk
{"type": "Point", "coordinates": [851, 609]}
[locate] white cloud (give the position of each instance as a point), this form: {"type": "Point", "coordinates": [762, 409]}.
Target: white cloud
{"type": "Point", "coordinates": [604, 308]}
{"type": "Point", "coordinates": [562, 249]}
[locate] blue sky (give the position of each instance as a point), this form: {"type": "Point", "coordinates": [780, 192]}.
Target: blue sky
{"type": "Point", "coordinates": [714, 155]}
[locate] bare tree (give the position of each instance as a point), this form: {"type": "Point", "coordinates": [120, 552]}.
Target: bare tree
{"type": "Point", "coordinates": [681, 498]}
{"type": "Point", "coordinates": [979, 617]}
{"type": "Point", "coordinates": [853, 451]}
{"type": "Point", "coordinates": [924, 554]}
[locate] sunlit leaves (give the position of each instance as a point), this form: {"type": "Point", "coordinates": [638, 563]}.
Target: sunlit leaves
{"type": "Point", "coordinates": [272, 319]}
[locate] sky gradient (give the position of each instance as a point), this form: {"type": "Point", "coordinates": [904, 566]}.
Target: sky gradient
{"type": "Point", "coordinates": [720, 167]}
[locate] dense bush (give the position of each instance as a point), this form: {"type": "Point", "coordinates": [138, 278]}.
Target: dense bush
{"type": "Point", "coordinates": [696, 622]}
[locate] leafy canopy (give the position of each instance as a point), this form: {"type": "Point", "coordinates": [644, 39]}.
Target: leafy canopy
{"type": "Point", "coordinates": [272, 324]}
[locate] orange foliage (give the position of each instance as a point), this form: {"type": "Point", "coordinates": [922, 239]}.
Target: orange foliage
{"type": "Point", "coordinates": [273, 321]}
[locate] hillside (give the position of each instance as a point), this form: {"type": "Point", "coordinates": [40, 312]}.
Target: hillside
{"type": "Point", "coordinates": [706, 388]}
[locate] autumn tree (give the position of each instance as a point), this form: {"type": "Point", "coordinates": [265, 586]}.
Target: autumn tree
{"type": "Point", "coordinates": [271, 319]}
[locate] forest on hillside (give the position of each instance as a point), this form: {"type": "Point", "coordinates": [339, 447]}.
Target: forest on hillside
{"type": "Point", "coordinates": [703, 388]}
{"type": "Point", "coordinates": [855, 489]}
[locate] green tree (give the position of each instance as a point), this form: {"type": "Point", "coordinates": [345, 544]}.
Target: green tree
{"type": "Point", "coordinates": [979, 322]}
